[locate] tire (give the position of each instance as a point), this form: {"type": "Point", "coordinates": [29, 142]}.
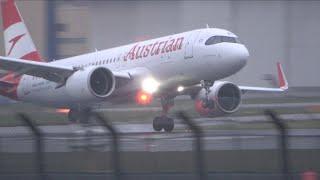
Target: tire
{"type": "Point", "coordinates": [157, 124]}
{"type": "Point", "coordinates": [169, 125]}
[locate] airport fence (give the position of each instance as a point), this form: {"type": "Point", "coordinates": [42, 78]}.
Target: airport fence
{"type": "Point", "coordinates": [102, 155]}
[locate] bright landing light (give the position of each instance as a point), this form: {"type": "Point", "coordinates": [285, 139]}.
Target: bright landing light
{"type": "Point", "coordinates": [180, 88]}
{"type": "Point", "coordinates": [150, 85]}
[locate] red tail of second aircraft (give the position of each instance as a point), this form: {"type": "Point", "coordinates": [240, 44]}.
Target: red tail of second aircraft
{"type": "Point", "coordinates": [18, 44]}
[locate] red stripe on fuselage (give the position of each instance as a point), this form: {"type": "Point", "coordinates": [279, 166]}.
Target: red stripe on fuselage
{"type": "Point", "coordinates": [10, 14]}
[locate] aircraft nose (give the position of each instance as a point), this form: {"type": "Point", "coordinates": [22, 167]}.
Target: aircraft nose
{"type": "Point", "coordinates": [242, 55]}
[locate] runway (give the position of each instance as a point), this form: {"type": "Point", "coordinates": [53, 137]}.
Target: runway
{"type": "Point", "coordinates": [243, 106]}
{"type": "Point", "coordinates": [146, 126]}
{"type": "Point", "coordinates": [141, 137]}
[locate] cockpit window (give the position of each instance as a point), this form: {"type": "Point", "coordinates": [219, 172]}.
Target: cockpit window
{"type": "Point", "coordinates": [220, 39]}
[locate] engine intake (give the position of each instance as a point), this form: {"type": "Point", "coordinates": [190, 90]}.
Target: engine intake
{"type": "Point", "coordinates": [101, 82]}
{"type": "Point", "coordinates": [228, 97]}
{"type": "Point", "coordinates": [91, 83]}
{"type": "Point", "coordinates": [225, 98]}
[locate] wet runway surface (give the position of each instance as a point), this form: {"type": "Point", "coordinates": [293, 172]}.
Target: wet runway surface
{"type": "Point", "coordinates": [243, 106]}
{"type": "Point", "coordinates": [141, 137]}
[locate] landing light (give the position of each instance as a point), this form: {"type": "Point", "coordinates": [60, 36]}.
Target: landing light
{"type": "Point", "coordinates": [150, 85]}
{"type": "Point", "coordinates": [180, 88]}
{"type": "Point", "coordinates": [143, 98]}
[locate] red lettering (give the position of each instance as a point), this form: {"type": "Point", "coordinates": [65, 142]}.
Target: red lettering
{"type": "Point", "coordinates": [139, 54]}
{"type": "Point", "coordinates": [178, 44]}
{"type": "Point", "coordinates": [169, 47]}
{"type": "Point", "coordinates": [164, 47]}
{"type": "Point", "coordinates": [158, 49]}
{"type": "Point", "coordinates": [131, 53]}
{"type": "Point", "coordinates": [152, 52]}
{"type": "Point", "coordinates": [147, 50]}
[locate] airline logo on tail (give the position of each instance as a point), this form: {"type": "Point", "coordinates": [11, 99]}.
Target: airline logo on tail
{"type": "Point", "coordinates": [18, 42]}
{"type": "Point", "coordinates": [14, 42]}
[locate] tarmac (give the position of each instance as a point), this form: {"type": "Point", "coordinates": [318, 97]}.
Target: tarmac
{"type": "Point", "coordinates": [141, 137]}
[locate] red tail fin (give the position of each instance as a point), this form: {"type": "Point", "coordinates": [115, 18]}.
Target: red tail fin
{"type": "Point", "coordinates": [18, 42]}
{"type": "Point", "coordinates": [283, 83]}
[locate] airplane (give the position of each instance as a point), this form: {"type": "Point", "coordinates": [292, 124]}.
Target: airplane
{"type": "Point", "coordinates": [189, 63]}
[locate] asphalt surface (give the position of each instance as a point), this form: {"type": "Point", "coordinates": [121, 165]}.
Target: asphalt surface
{"type": "Point", "coordinates": [243, 106]}
{"type": "Point", "coordinates": [141, 137]}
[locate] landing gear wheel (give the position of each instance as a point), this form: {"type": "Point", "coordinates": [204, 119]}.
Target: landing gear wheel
{"type": "Point", "coordinates": [163, 122]}
{"type": "Point", "coordinates": [157, 126]}
{"type": "Point", "coordinates": [169, 124]}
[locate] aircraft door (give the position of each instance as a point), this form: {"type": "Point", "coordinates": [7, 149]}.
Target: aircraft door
{"type": "Point", "coordinates": [190, 43]}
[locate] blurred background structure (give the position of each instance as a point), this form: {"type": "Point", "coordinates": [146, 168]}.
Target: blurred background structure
{"type": "Point", "coordinates": [285, 31]}
{"type": "Point", "coordinates": [246, 145]}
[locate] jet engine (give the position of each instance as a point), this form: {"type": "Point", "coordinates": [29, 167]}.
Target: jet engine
{"type": "Point", "coordinates": [90, 84]}
{"type": "Point", "coordinates": [223, 98]}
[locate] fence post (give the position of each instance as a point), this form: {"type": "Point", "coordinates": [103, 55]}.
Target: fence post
{"type": "Point", "coordinates": [115, 142]}
{"type": "Point", "coordinates": [198, 146]}
{"type": "Point", "coordinates": [38, 145]}
{"type": "Point", "coordinates": [283, 146]}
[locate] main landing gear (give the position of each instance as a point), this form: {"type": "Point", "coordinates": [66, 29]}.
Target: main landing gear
{"type": "Point", "coordinates": [79, 115]}
{"type": "Point", "coordinates": [207, 102]}
{"type": "Point", "coordinates": [163, 121]}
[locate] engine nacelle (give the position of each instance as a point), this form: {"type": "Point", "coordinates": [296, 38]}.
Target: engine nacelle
{"type": "Point", "coordinates": [224, 98]}
{"type": "Point", "coordinates": [90, 84]}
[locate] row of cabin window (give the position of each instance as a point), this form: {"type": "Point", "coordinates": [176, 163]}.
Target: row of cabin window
{"type": "Point", "coordinates": [101, 62]}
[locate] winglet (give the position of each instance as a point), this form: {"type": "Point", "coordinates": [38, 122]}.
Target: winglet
{"type": "Point", "coordinates": [283, 83]}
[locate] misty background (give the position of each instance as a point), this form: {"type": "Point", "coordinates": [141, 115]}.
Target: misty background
{"type": "Point", "coordinates": [284, 31]}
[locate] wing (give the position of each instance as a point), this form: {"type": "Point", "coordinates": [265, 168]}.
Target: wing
{"type": "Point", "coordinates": [283, 84]}
{"type": "Point", "coordinates": [51, 72]}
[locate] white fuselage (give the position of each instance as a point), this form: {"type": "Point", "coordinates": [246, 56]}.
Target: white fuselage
{"type": "Point", "coordinates": [180, 59]}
